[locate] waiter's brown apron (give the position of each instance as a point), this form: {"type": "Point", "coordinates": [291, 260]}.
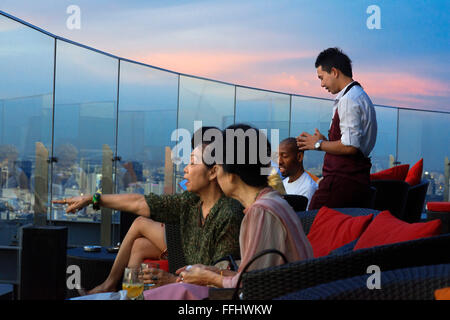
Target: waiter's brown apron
{"type": "Point", "coordinates": [346, 178]}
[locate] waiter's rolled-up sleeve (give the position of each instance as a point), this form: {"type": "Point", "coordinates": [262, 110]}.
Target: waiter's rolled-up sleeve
{"type": "Point", "coordinates": [350, 122]}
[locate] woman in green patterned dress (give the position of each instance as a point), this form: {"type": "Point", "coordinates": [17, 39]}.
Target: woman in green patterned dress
{"type": "Point", "coordinates": [209, 222]}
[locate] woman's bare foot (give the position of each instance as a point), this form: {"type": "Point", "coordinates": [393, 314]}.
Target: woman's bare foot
{"type": "Point", "coordinates": [104, 287]}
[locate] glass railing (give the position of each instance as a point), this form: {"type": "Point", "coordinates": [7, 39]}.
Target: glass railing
{"type": "Point", "coordinates": [74, 119]}
{"type": "Point", "coordinates": [426, 135]}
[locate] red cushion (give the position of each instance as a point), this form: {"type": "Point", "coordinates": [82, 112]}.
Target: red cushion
{"type": "Point", "coordinates": [415, 173]}
{"type": "Point", "coordinates": [332, 229]}
{"type": "Point", "coordinates": [438, 206]}
{"type": "Point", "coordinates": [163, 264]}
{"type": "Point", "coordinates": [395, 173]}
{"type": "Point", "coordinates": [386, 229]}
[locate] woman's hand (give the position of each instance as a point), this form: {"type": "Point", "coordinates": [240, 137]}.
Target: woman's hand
{"type": "Point", "coordinates": [75, 203]}
{"type": "Point", "coordinates": [200, 275]}
{"type": "Point", "coordinates": [201, 266]}
{"type": "Point", "coordinates": [158, 277]}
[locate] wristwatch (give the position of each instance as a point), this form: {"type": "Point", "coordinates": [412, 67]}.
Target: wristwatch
{"type": "Point", "coordinates": [317, 145]}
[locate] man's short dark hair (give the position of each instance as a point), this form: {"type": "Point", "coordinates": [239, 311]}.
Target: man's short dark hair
{"type": "Point", "coordinates": [334, 58]}
{"type": "Point", "coordinates": [292, 142]}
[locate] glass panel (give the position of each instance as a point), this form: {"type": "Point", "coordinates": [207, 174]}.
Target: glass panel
{"type": "Point", "coordinates": [26, 97]}
{"type": "Point", "coordinates": [84, 126]}
{"type": "Point", "coordinates": [207, 101]}
{"type": "Point", "coordinates": [384, 153]}
{"type": "Point", "coordinates": [147, 117]}
{"type": "Point", "coordinates": [426, 135]}
{"type": "Point", "coordinates": [210, 102]}
{"type": "Point", "coordinates": [263, 109]}
{"type": "Point", "coordinates": [308, 114]}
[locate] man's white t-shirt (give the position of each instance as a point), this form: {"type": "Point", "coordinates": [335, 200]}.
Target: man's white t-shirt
{"type": "Point", "coordinates": [303, 186]}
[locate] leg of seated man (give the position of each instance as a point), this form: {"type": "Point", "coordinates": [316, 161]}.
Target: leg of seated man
{"type": "Point", "coordinates": [141, 227]}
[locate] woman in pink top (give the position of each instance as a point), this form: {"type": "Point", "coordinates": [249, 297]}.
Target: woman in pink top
{"type": "Point", "coordinates": [269, 221]}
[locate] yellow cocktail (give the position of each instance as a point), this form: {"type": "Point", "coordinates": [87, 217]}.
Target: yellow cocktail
{"type": "Point", "coordinates": [133, 283]}
{"type": "Point", "coordinates": [134, 290]}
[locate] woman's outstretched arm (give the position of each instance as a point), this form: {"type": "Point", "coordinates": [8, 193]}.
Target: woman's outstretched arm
{"type": "Point", "coordinates": [134, 203]}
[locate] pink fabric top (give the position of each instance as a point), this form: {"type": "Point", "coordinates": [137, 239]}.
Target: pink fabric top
{"type": "Point", "coordinates": [270, 223]}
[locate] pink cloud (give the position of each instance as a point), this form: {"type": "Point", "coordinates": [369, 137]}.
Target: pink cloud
{"type": "Point", "coordinates": [295, 82]}
{"type": "Point", "coordinates": [403, 84]}
{"type": "Point", "coordinates": [215, 64]}
{"type": "Point", "coordinates": [395, 89]}
{"type": "Point", "coordinates": [405, 89]}
{"type": "Point", "coordinates": [389, 88]}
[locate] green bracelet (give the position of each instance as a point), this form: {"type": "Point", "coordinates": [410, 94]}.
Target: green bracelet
{"type": "Point", "coordinates": [96, 201]}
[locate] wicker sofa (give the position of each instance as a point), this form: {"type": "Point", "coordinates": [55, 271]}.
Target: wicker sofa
{"type": "Point", "coordinates": [278, 281]}
{"type": "Point", "coordinates": [415, 283]}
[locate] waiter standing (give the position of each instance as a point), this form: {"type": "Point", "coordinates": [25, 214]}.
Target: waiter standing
{"type": "Point", "coordinates": [351, 137]}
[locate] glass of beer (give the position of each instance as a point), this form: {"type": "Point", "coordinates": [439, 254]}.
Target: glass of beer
{"type": "Point", "coordinates": [133, 283]}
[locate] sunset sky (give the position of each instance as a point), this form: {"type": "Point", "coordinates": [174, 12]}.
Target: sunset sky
{"type": "Point", "coordinates": [270, 44]}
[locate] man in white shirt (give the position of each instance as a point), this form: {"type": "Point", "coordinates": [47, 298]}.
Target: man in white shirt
{"type": "Point", "coordinates": [351, 138]}
{"type": "Point", "coordinates": [297, 180]}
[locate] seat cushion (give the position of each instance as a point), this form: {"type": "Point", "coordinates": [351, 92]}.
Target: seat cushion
{"type": "Point", "coordinates": [414, 175]}
{"type": "Point", "coordinates": [332, 229]}
{"type": "Point", "coordinates": [387, 229]}
{"type": "Point", "coordinates": [395, 173]}
{"type": "Point", "coordinates": [438, 206]}
{"type": "Point", "coordinates": [442, 294]}
{"type": "Point", "coordinates": [163, 264]}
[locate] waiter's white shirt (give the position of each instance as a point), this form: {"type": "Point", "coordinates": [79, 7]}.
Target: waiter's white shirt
{"type": "Point", "coordinates": [358, 122]}
{"type": "Point", "coordinates": [303, 186]}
